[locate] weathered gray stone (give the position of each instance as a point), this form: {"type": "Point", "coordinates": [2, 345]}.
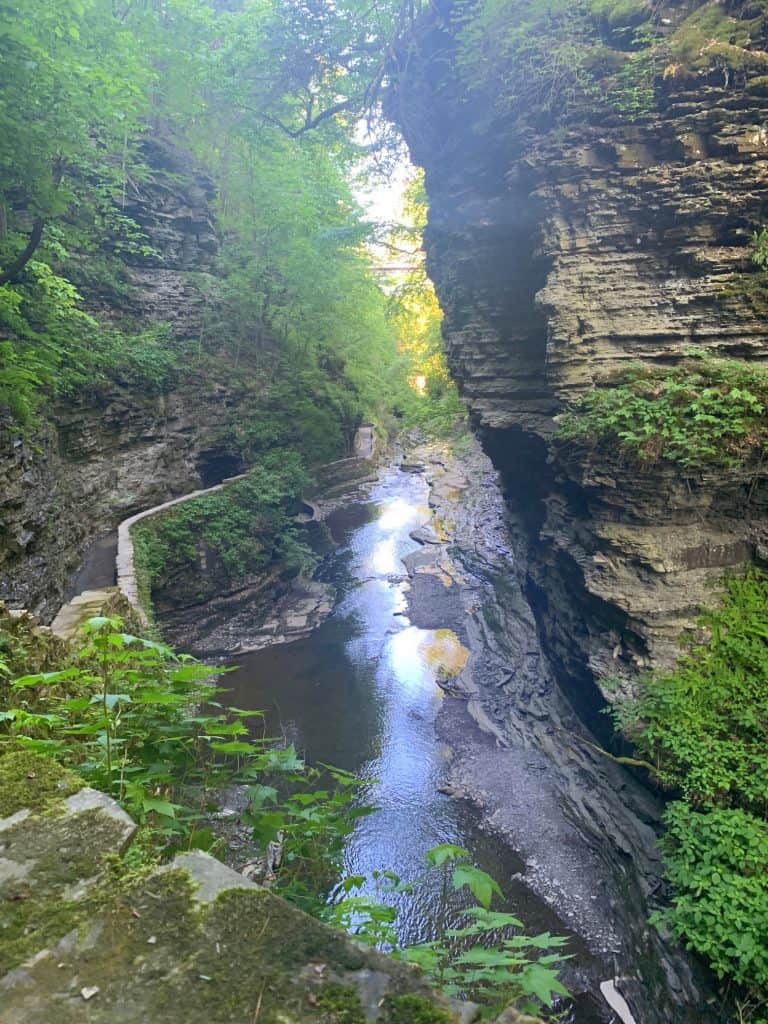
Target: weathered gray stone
{"type": "Point", "coordinates": [209, 876]}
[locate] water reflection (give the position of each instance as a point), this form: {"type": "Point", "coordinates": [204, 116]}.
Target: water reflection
{"type": "Point", "coordinates": [362, 693]}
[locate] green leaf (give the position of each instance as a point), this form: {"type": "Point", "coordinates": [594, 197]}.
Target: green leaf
{"type": "Point", "coordinates": [445, 853]}
{"type": "Point", "coordinates": [160, 806]}
{"type": "Point", "coordinates": [480, 884]}
{"type": "Point", "coordinates": [541, 982]}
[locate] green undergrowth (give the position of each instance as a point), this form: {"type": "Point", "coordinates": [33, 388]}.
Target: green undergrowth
{"type": "Point", "coordinates": [128, 716]}
{"type": "Point", "coordinates": [248, 527]}
{"type": "Point", "coordinates": [704, 727]}
{"type": "Point", "coordinates": [703, 411]}
{"type": "Point", "coordinates": [552, 59]}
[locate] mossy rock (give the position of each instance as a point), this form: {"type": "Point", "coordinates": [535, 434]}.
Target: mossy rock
{"type": "Point", "coordinates": [50, 863]}
{"type": "Point", "coordinates": [173, 949]}
{"type": "Point", "coordinates": [621, 14]}
{"type": "Point", "coordinates": [412, 1009]}
{"type": "Point", "coordinates": [709, 35]}
{"type": "Point", "coordinates": [31, 780]}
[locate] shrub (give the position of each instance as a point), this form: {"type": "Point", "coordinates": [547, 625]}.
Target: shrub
{"type": "Point", "coordinates": [717, 861]}
{"type": "Point", "coordinates": [704, 726]}
{"type": "Point", "coordinates": [249, 524]}
{"type": "Point", "coordinates": [702, 411]}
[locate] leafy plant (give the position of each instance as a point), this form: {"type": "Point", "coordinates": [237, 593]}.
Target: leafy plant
{"type": "Point", "coordinates": [142, 724]}
{"type": "Point", "coordinates": [487, 959]}
{"type": "Point", "coordinates": [704, 410]}
{"type": "Point", "coordinates": [717, 861]}
{"type": "Point", "coordinates": [704, 726]}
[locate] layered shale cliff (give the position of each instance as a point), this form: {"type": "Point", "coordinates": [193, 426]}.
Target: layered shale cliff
{"type": "Point", "coordinates": [94, 459]}
{"type": "Point", "coordinates": [565, 246]}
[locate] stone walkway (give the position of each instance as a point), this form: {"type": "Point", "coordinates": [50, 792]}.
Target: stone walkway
{"type": "Point", "coordinates": [92, 602]}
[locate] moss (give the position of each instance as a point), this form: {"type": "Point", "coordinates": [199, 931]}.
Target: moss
{"type": "Point", "coordinates": [621, 13]}
{"type": "Point", "coordinates": [341, 1005]}
{"type": "Point", "coordinates": [410, 1009]}
{"type": "Point", "coordinates": [709, 35]}
{"type": "Point", "coordinates": [32, 780]}
{"type": "Point", "coordinates": [38, 904]}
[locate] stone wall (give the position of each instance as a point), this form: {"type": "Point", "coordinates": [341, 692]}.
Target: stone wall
{"type": "Point", "coordinates": [559, 256]}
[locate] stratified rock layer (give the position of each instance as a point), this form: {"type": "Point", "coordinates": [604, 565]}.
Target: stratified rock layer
{"type": "Point", "coordinates": [100, 456]}
{"type": "Point", "coordinates": [558, 256]}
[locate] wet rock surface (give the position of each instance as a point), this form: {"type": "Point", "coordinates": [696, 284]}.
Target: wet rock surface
{"type": "Point", "coordinates": [560, 255]}
{"type": "Point", "coordinates": [257, 614]}
{"type": "Point", "coordinates": [583, 826]}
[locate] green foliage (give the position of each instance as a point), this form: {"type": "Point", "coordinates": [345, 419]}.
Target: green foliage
{"type": "Point", "coordinates": [425, 395]}
{"type": "Point", "coordinates": [487, 958]}
{"type": "Point", "coordinates": [718, 863]}
{"type": "Point", "coordinates": [545, 60]}
{"type": "Point", "coordinates": [703, 410]}
{"type": "Point", "coordinates": [549, 58]}
{"type": "Point", "coordinates": [713, 36]}
{"type": "Point", "coordinates": [292, 298]}
{"type": "Point", "coordinates": [141, 723]}
{"type": "Point", "coordinates": [704, 726]}
{"type": "Point", "coordinates": [249, 525]}
{"type": "Point", "coordinates": [309, 406]}
{"type": "Point", "coordinates": [760, 248]}
{"type": "Point", "coordinates": [73, 98]}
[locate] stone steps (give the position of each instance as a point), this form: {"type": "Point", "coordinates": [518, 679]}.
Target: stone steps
{"type": "Point", "coordinates": [85, 606]}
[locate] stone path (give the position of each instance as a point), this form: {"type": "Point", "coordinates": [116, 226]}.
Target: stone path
{"type": "Point", "coordinates": [92, 602]}
{"type": "Point", "coordinates": [127, 583]}
{"type": "Point", "coordinates": [85, 606]}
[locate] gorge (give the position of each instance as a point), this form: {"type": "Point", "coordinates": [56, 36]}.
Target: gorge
{"type": "Point", "coordinates": [465, 619]}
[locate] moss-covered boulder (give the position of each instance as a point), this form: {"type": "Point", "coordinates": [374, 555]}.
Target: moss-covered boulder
{"type": "Point", "coordinates": [193, 942]}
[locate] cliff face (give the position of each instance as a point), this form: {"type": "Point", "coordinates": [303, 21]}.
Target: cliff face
{"type": "Point", "coordinates": [559, 255]}
{"type": "Point", "coordinates": [98, 458]}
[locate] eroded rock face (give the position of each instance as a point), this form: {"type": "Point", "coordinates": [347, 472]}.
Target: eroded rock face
{"type": "Point", "coordinates": [559, 256]}
{"type": "Point", "coordinates": [101, 456]}
{"type": "Point", "coordinates": [99, 463]}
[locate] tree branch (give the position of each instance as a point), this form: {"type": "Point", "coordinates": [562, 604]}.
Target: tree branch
{"type": "Point", "coordinates": [311, 122]}
{"type": "Point", "coordinates": [10, 275]}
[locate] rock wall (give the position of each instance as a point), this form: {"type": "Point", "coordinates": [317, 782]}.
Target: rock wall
{"type": "Point", "coordinates": [99, 457]}
{"type": "Point", "coordinates": [560, 254]}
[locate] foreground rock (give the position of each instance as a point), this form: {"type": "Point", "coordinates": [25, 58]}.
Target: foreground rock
{"type": "Point", "coordinates": [84, 940]}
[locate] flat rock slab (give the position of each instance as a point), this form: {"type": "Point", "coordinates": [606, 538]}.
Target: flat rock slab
{"type": "Point", "coordinates": [48, 864]}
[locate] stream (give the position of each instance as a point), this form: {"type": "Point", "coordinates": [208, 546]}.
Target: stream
{"type": "Point", "coordinates": [361, 692]}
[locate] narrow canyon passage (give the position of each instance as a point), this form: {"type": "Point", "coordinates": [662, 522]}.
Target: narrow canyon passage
{"type": "Point", "coordinates": [362, 693]}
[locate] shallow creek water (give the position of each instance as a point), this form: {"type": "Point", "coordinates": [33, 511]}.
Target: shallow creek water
{"type": "Point", "coordinates": [361, 693]}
